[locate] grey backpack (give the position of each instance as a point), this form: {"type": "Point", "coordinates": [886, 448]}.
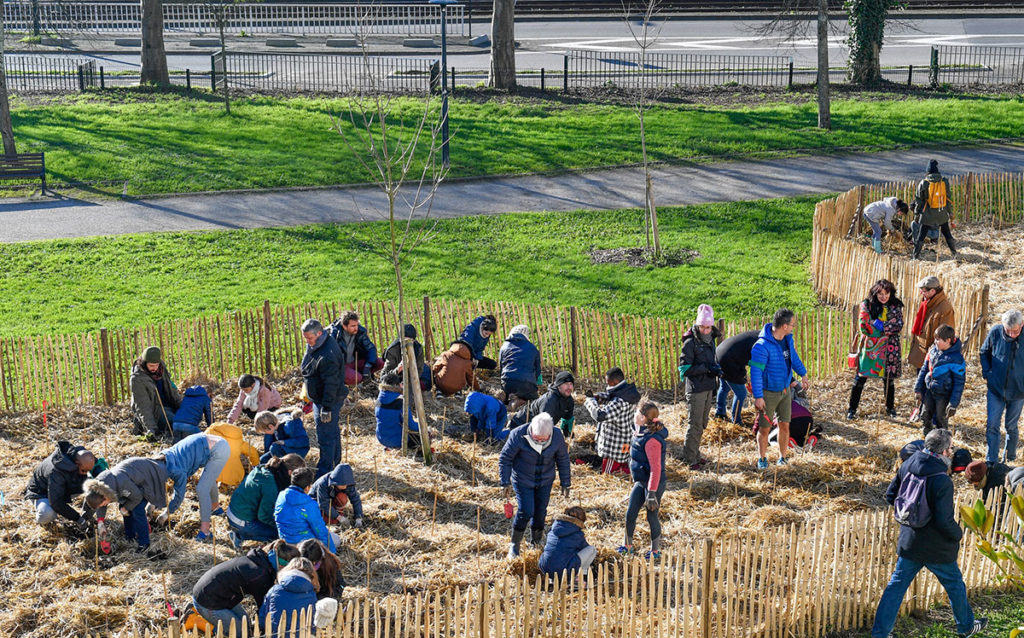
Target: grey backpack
{"type": "Point", "coordinates": [911, 506]}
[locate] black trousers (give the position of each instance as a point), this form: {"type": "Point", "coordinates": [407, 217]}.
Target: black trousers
{"type": "Point", "coordinates": [858, 389]}
{"type": "Point", "coordinates": [923, 230]}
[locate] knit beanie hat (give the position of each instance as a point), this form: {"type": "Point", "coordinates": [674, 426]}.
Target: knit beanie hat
{"type": "Point", "coordinates": [931, 282]}
{"type": "Point", "coordinates": [961, 459]}
{"type": "Point", "coordinates": [151, 354]}
{"type": "Point", "coordinates": [564, 377]}
{"type": "Point", "coordinates": [705, 315]}
{"type": "Point", "coordinates": [976, 471]}
{"type": "Point", "coordinates": [933, 166]}
{"type": "Point", "coordinates": [519, 330]}
{"type": "Point", "coordinates": [410, 331]}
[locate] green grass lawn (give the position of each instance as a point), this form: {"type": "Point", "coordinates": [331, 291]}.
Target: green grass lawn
{"type": "Point", "coordinates": [161, 143]}
{"type": "Point", "coordinates": [753, 259]}
{"type": "Point", "coordinates": [1004, 610]}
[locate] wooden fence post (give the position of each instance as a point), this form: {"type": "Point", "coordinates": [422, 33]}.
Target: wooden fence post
{"type": "Point", "coordinates": [108, 376]}
{"type": "Point", "coordinates": [705, 589]}
{"type": "Point", "coordinates": [266, 337]}
{"type": "Point", "coordinates": [427, 337]}
{"type": "Point", "coordinates": [574, 331]}
{"type": "Point", "coordinates": [970, 197]}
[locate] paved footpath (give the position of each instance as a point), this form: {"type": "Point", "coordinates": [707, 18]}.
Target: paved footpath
{"type": "Point", "coordinates": [54, 217]}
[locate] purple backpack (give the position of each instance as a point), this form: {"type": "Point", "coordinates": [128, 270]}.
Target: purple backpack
{"type": "Point", "coordinates": [911, 505]}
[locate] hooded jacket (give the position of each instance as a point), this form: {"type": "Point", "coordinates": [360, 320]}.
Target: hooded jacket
{"type": "Point", "coordinates": [519, 359]}
{"type": "Point", "coordinates": [58, 480]}
{"type": "Point", "coordinates": [453, 370]}
{"type": "Point", "coordinates": [135, 480]}
{"type": "Point", "coordinates": [939, 540]}
{"type": "Point", "coordinates": [614, 420]}
{"type": "Point", "coordinates": [1002, 364]}
{"type": "Point", "coordinates": [393, 353]}
{"type": "Point", "coordinates": [255, 498]}
{"type": "Point", "coordinates": [389, 417]}
{"type": "Point", "coordinates": [769, 370]}
{"type": "Point", "coordinates": [293, 593]}
{"type": "Point", "coordinates": [931, 216]}
{"type": "Point", "coordinates": [323, 371]}
{"type": "Point", "coordinates": [233, 472]}
{"type": "Point", "coordinates": [733, 355]}
{"type": "Point", "coordinates": [365, 350]}
{"type": "Point", "coordinates": [323, 493]}
{"type": "Point", "coordinates": [471, 335]}
{"type": "Point", "coordinates": [227, 584]}
{"type": "Point", "coordinates": [290, 437]}
{"type": "Point", "coordinates": [487, 414]}
{"type": "Point", "coordinates": [298, 517]}
{"type": "Point", "coordinates": [519, 464]}
{"type": "Point", "coordinates": [183, 459]}
{"type": "Point", "coordinates": [943, 373]}
{"type": "Point", "coordinates": [697, 364]}
{"type": "Point", "coordinates": [195, 407]}
{"type": "Point", "coordinates": [565, 541]}
{"type": "Point", "coordinates": [146, 399]}
{"type": "Point", "coordinates": [940, 311]}
{"type": "Point", "coordinates": [266, 399]}
{"type": "Point", "coordinates": [882, 211]}
{"type": "Point", "coordinates": [995, 477]}
{"type": "Point", "coordinates": [558, 406]}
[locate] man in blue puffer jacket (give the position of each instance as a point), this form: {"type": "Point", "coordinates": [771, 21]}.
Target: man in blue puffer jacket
{"type": "Point", "coordinates": [940, 382]}
{"type": "Point", "coordinates": [1002, 366]}
{"type": "Point", "coordinates": [567, 549]}
{"type": "Point", "coordinates": [477, 334]}
{"type": "Point", "coordinates": [773, 359]}
{"type": "Point", "coordinates": [487, 416]}
{"type": "Point", "coordinates": [520, 366]}
{"type": "Point", "coordinates": [298, 516]}
{"type": "Point", "coordinates": [341, 480]}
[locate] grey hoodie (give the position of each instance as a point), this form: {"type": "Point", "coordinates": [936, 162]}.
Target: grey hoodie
{"type": "Point", "coordinates": [133, 480]}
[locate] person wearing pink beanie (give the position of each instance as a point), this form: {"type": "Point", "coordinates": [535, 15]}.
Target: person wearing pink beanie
{"type": "Point", "coordinates": [699, 370]}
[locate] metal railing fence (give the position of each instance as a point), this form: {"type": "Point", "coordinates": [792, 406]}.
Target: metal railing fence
{"type": "Point", "coordinates": [277, 72]}
{"type": "Point", "coordinates": [964, 65]}
{"type": "Point", "coordinates": [587, 69]}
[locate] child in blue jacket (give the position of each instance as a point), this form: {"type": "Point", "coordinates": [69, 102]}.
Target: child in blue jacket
{"type": "Point", "coordinates": [940, 382]}
{"type": "Point", "coordinates": [567, 549]}
{"type": "Point", "coordinates": [389, 414]}
{"type": "Point", "coordinates": [487, 416]}
{"type": "Point", "coordinates": [195, 407]}
{"type": "Point", "coordinates": [283, 433]}
{"type": "Point", "coordinates": [334, 490]}
{"type": "Point", "coordinates": [295, 591]}
{"type": "Point", "coordinates": [298, 516]}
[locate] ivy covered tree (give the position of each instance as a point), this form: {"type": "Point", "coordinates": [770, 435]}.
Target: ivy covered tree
{"type": "Point", "coordinates": [867, 31]}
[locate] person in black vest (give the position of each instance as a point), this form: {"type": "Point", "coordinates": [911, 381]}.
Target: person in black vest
{"type": "Point", "coordinates": [733, 356]}
{"type": "Point", "coordinates": [986, 476]}
{"type": "Point", "coordinates": [322, 372]}
{"type": "Point", "coordinates": [57, 480]}
{"type": "Point", "coordinates": [934, 545]}
{"type": "Point", "coordinates": [647, 467]}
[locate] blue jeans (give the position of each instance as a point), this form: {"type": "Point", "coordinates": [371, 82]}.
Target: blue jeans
{"type": "Point", "coordinates": [996, 407]}
{"type": "Point", "coordinates": [952, 581]}
{"type": "Point", "coordinates": [45, 514]}
{"type": "Point", "coordinates": [224, 616]}
{"type": "Point", "coordinates": [206, 488]}
{"type": "Point", "coordinates": [328, 437]}
{"type": "Point", "coordinates": [136, 525]}
{"type": "Point", "coordinates": [739, 391]}
{"type": "Point", "coordinates": [876, 228]}
{"type": "Point", "coordinates": [180, 430]}
{"type": "Point", "coordinates": [252, 530]}
{"type": "Point", "coordinates": [533, 504]}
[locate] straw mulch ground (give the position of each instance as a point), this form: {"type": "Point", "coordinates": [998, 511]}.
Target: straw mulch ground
{"type": "Point", "coordinates": [51, 586]}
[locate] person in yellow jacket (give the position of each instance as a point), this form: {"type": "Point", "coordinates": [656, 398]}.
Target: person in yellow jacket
{"type": "Point", "coordinates": [234, 473]}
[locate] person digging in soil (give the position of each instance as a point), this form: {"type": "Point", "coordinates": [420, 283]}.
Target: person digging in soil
{"type": "Point", "coordinates": [613, 411]}
{"type": "Point", "coordinates": [132, 484]}
{"type": "Point", "coordinates": [699, 370]}
{"type": "Point", "coordinates": [567, 551]}
{"type": "Point", "coordinates": [988, 476]}
{"type": "Point", "coordinates": [283, 433]}
{"type": "Point", "coordinates": [647, 467]}
{"type": "Point", "coordinates": [477, 334]}
{"type": "Point", "coordinates": [773, 360]}
{"type": "Point", "coordinates": [557, 403]}
{"type": "Point", "coordinates": [453, 370]}
{"type": "Point", "coordinates": [333, 491]}
{"type": "Point", "coordinates": [804, 433]}
{"type": "Point", "coordinates": [487, 416]}
{"type": "Point", "coordinates": [393, 357]}
{"type": "Point", "coordinates": [58, 479]}
{"type": "Point", "coordinates": [204, 452]}
{"type": "Point", "coordinates": [879, 356]}
{"type": "Point", "coordinates": [881, 213]}
{"type": "Point", "coordinates": [388, 413]}
{"type": "Point", "coordinates": [520, 368]}
{"type": "Point", "coordinates": [940, 383]}
{"type": "Point", "coordinates": [196, 407]}
{"type": "Point", "coordinates": [527, 466]}
{"type": "Point", "coordinates": [254, 396]}
{"type": "Point", "coordinates": [298, 516]}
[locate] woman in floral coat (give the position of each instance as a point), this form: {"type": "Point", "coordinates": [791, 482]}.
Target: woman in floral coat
{"type": "Point", "coordinates": [881, 321]}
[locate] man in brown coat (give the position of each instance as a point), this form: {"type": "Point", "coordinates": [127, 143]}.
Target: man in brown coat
{"type": "Point", "coordinates": [453, 370]}
{"type": "Point", "coordinates": [935, 310]}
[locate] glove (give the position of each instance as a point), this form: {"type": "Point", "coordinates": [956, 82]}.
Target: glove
{"type": "Point", "coordinates": [565, 491]}
{"type": "Point", "coordinates": [950, 411]}
{"type": "Point", "coordinates": [100, 465]}
{"type": "Point", "coordinates": [716, 370]}
{"type": "Point", "coordinates": [540, 379]}
{"type": "Point", "coordinates": [589, 394]}
{"type": "Point", "coordinates": [877, 323]}
{"type": "Point", "coordinates": [367, 369]}
{"type": "Point", "coordinates": [566, 425]}
{"type": "Point", "coordinates": [124, 512]}
{"type": "Point", "coordinates": [83, 522]}
{"type": "Point", "coordinates": [325, 416]}
{"type": "Point", "coordinates": [507, 492]}
{"type": "Point", "coordinates": [162, 519]}
{"type": "Point", "coordinates": [652, 501]}
{"type": "Point", "coordinates": [358, 523]}
{"type": "Point", "coordinates": [101, 529]}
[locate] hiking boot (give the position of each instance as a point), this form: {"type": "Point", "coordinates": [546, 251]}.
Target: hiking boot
{"type": "Point", "coordinates": [699, 465]}
{"type": "Point", "coordinates": [722, 415]}
{"type": "Point", "coordinates": [537, 537]}
{"type": "Point", "coordinates": [762, 463]}
{"type": "Point", "coordinates": [891, 413]}
{"type": "Point", "coordinates": [517, 538]}
{"type": "Point", "coordinates": [979, 626]}
{"type": "Point", "coordinates": [235, 539]}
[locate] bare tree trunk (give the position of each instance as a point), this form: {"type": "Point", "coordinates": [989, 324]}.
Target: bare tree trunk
{"type": "Point", "coordinates": [222, 18]}
{"type": "Point", "coordinates": [6, 128]}
{"type": "Point", "coordinates": [503, 45]}
{"type": "Point", "coordinates": [824, 106]}
{"type": "Point", "coordinates": [154, 56]}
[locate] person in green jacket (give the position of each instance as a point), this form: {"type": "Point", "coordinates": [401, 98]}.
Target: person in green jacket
{"type": "Point", "coordinates": [251, 512]}
{"type": "Point", "coordinates": [932, 207]}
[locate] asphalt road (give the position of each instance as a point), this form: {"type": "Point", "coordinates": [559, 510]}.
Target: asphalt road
{"type": "Point", "coordinates": [51, 218]}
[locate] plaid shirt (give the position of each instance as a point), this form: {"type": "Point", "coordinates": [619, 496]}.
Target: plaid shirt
{"type": "Point", "coordinates": [614, 428]}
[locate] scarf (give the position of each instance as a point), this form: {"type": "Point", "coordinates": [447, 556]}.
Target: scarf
{"type": "Point", "coordinates": [538, 446]}
{"type": "Point", "coordinates": [157, 376]}
{"type": "Point", "coordinates": [252, 400]}
{"type": "Point", "coordinates": [922, 311]}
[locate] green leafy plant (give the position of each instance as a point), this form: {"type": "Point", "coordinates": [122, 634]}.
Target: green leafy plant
{"type": "Point", "coordinates": [1007, 555]}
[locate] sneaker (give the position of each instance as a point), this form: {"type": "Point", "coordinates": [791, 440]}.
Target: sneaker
{"type": "Point", "coordinates": [851, 415]}
{"type": "Point", "coordinates": [218, 512]}
{"type": "Point", "coordinates": [626, 550]}
{"type": "Point", "coordinates": [762, 463]}
{"type": "Point", "coordinates": [235, 540]}
{"type": "Point", "coordinates": [204, 538]}
{"type": "Point", "coordinates": [652, 554]}
{"type": "Point", "coordinates": [891, 414]}
{"type": "Point", "coordinates": [782, 461]}
{"type": "Point", "coordinates": [979, 626]}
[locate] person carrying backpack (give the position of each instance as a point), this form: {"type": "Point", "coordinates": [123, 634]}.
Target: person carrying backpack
{"type": "Point", "coordinates": [932, 206]}
{"type": "Point", "coordinates": [922, 497]}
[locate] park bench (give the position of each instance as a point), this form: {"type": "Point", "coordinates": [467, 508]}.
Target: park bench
{"type": "Point", "coordinates": [23, 166]}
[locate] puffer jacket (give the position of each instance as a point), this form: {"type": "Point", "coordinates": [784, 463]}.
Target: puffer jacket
{"type": "Point", "coordinates": [453, 370]}
{"type": "Point", "coordinates": [195, 407]}
{"type": "Point", "coordinates": [389, 417]}
{"type": "Point", "coordinates": [1002, 364]}
{"type": "Point", "coordinates": [233, 472]}
{"type": "Point", "coordinates": [487, 414]}
{"type": "Point", "coordinates": [939, 540]}
{"type": "Point", "coordinates": [521, 465]}
{"type": "Point", "coordinates": [146, 401]}
{"type": "Point", "coordinates": [323, 372]}
{"type": "Point", "coordinates": [768, 368]}
{"type": "Point", "coordinates": [519, 359]}
{"type": "Point", "coordinates": [323, 492]}
{"type": "Point", "coordinates": [697, 364]}
{"type": "Point", "coordinates": [471, 335]}
{"type": "Point", "coordinates": [943, 373]}
{"type": "Point", "coordinates": [365, 350]}
{"type": "Point", "coordinates": [135, 480]}
{"type": "Point", "coordinates": [293, 592]}
{"type": "Point", "coordinates": [298, 517]}
{"type": "Point", "coordinates": [939, 311]}
{"type": "Point", "coordinates": [565, 541]}
{"type": "Point", "coordinates": [640, 461]}
{"type": "Point", "coordinates": [932, 216]}
{"type": "Point", "coordinates": [227, 584]}
{"type": "Point", "coordinates": [266, 399]}
{"type": "Point", "coordinates": [290, 437]}
{"type": "Point", "coordinates": [255, 498]}
{"type": "Point", "coordinates": [58, 480]}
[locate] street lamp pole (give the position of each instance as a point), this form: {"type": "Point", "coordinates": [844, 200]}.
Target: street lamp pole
{"type": "Point", "coordinates": [444, 78]}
